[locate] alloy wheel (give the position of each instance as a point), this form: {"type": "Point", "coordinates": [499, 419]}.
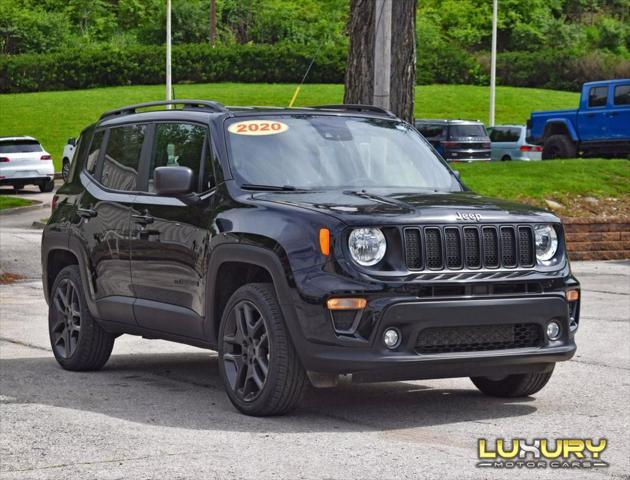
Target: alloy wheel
{"type": "Point", "coordinates": [67, 319]}
{"type": "Point", "coordinates": [246, 351]}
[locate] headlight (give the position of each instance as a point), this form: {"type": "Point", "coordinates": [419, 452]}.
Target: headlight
{"type": "Point", "coordinates": [546, 242]}
{"type": "Point", "coordinates": [367, 246]}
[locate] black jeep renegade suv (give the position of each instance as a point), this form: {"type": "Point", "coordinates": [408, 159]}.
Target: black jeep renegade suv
{"type": "Point", "coordinates": [301, 244]}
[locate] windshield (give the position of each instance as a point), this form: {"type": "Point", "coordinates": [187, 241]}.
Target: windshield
{"type": "Point", "coordinates": [325, 151]}
{"type": "Point", "coordinates": [19, 146]}
{"type": "Point", "coordinates": [467, 131]}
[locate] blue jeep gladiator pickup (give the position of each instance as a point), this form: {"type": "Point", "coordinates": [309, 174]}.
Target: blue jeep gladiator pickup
{"type": "Point", "coordinates": [600, 126]}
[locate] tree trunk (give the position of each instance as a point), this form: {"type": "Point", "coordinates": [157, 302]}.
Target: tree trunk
{"type": "Point", "coordinates": [403, 76]}
{"type": "Point", "coordinates": [359, 81]}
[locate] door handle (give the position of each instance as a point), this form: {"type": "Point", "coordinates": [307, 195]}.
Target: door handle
{"type": "Point", "coordinates": [86, 212]}
{"type": "Point", "coordinates": [143, 218]}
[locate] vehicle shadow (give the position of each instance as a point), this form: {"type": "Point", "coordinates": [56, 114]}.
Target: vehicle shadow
{"type": "Point", "coordinates": [184, 390]}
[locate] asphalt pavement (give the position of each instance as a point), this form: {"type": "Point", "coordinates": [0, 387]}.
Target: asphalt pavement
{"type": "Point", "coordinates": [158, 409]}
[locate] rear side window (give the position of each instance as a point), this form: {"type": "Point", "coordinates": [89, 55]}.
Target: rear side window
{"type": "Point", "coordinates": [503, 134]}
{"type": "Point", "coordinates": [95, 149]}
{"type": "Point", "coordinates": [622, 95]}
{"type": "Point", "coordinates": [597, 96]}
{"type": "Point", "coordinates": [430, 131]}
{"type": "Point", "coordinates": [177, 145]}
{"type": "Point", "coordinates": [20, 146]}
{"type": "Point", "coordinates": [122, 157]}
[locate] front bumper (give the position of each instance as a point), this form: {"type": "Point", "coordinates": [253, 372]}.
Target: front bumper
{"type": "Point", "coordinates": [367, 358]}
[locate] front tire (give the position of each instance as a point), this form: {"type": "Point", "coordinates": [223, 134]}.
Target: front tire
{"type": "Point", "coordinates": [558, 146]}
{"type": "Point", "coordinates": [77, 341]}
{"type": "Point", "coordinates": [65, 169]}
{"type": "Point", "coordinates": [257, 361]}
{"type": "Point", "coordinates": [519, 385]}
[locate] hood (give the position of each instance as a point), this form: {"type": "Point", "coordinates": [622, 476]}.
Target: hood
{"type": "Point", "coordinates": [372, 207]}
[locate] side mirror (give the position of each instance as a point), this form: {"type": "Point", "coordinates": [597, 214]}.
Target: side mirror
{"type": "Point", "coordinates": [173, 181]}
{"type": "Point", "coordinates": [72, 141]}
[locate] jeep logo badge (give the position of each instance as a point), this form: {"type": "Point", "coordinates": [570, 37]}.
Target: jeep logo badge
{"type": "Point", "coordinates": [467, 217]}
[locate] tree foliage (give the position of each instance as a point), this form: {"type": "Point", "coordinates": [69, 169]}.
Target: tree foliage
{"type": "Point", "coordinates": [452, 36]}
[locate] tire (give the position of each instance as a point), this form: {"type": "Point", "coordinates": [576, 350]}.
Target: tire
{"type": "Point", "coordinates": [17, 188]}
{"type": "Point", "coordinates": [47, 186]}
{"type": "Point", "coordinates": [65, 169]}
{"type": "Point", "coordinates": [505, 158]}
{"type": "Point", "coordinates": [520, 385]}
{"type": "Point", "coordinates": [87, 347]}
{"type": "Point", "coordinates": [252, 334]}
{"type": "Point", "coordinates": [558, 146]}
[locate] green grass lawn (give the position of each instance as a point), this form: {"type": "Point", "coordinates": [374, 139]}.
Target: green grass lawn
{"type": "Point", "coordinates": [11, 202]}
{"type": "Point", "coordinates": [564, 181]}
{"type": "Point", "coordinates": [53, 117]}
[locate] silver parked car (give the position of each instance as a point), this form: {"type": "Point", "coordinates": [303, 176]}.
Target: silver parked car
{"type": "Point", "coordinates": [509, 143]}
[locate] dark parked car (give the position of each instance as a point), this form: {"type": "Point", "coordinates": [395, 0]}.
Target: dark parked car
{"type": "Point", "coordinates": [457, 140]}
{"type": "Point", "coordinates": [301, 244]}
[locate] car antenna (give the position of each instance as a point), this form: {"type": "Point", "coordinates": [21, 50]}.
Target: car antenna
{"type": "Point", "coordinates": [297, 90]}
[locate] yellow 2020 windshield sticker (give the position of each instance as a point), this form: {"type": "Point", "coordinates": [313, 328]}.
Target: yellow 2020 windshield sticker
{"type": "Point", "coordinates": [258, 127]}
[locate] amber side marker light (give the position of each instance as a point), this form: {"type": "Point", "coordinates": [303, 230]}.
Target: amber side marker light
{"type": "Point", "coordinates": [346, 303]}
{"type": "Point", "coordinates": [324, 241]}
{"type": "Point", "coordinates": [573, 295]}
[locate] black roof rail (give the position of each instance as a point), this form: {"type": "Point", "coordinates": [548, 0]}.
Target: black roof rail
{"type": "Point", "coordinates": [201, 104]}
{"type": "Point", "coordinates": [356, 108]}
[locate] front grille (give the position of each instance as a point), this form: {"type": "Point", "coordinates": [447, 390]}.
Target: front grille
{"type": "Point", "coordinates": [433, 242]}
{"type": "Point", "coordinates": [478, 338]}
{"type": "Point", "coordinates": [470, 247]}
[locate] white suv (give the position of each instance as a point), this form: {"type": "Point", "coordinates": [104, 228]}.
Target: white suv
{"type": "Point", "coordinates": [23, 161]}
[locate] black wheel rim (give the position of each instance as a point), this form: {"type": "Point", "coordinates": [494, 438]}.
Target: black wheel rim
{"type": "Point", "coordinates": [67, 319]}
{"type": "Point", "coordinates": [246, 351]}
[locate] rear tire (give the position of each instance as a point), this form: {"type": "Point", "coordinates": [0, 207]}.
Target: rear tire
{"type": "Point", "coordinates": [259, 366]}
{"type": "Point", "coordinates": [47, 186]}
{"type": "Point", "coordinates": [77, 341]}
{"type": "Point", "coordinates": [558, 146]}
{"type": "Point", "coordinates": [520, 385]}
{"type": "Point", "coordinates": [505, 158]}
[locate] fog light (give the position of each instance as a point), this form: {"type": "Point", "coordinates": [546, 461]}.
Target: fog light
{"type": "Point", "coordinates": [553, 330]}
{"type": "Point", "coordinates": [391, 338]}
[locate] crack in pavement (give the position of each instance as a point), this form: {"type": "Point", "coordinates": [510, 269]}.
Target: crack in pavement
{"type": "Point", "coordinates": [98, 462]}
{"type": "Point", "coordinates": [608, 292]}
{"type": "Point", "coordinates": [24, 344]}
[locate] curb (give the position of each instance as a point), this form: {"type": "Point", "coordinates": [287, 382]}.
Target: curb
{"type": "Point", "coordinates": [15, 210]}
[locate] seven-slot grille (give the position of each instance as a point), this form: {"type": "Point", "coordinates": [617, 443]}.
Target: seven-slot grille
{"type": "Point", "coordinates": [470, 247]}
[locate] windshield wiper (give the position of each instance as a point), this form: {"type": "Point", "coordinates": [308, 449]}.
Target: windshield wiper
{"type": "Point", "coordinates": [271, 188]}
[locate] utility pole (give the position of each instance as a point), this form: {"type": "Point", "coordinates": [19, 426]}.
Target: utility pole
{"type": "Point", "coordinates": [169, 88]}
{"type": "Point", "coordinates": [493, 62]}
{"type": "Point", "coordinates": [382, 53]}
{"type": "Point", "coordinates": [213, 22]}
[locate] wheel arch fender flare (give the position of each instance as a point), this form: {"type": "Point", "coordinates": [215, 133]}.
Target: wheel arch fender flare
{"type": "Point", "coordinates": [259, 256]}
{"type": "Point", "coordinates": [556, 126]}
